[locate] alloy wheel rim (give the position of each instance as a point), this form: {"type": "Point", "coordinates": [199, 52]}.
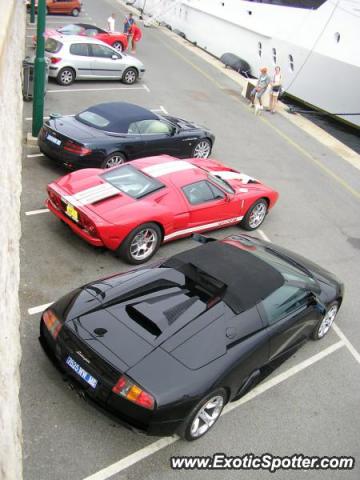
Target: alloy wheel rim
{"type": "Point", "coordinates": [114, 161]}
{"type": "Point", "coordinates": [202, 150]}
{"type": "Point", "coordinates": [130, 77]}
{"type": "Point", "coordinates": [257, 215]}
{"type": "Point", "coordinates": [118, 46]}
{"type": "Point", "coordinates": [207, 416]}
{"type": "Point", "coordinates": [327, 321]}
{"type": "Point", "coordinates": [66, 77]}
{"type": "Point", "coordinates": [143, 244]}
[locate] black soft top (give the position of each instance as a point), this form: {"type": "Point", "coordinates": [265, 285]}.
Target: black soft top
{"type": "Point", "coordinates": [120, 115]}
{"type": "Point", "coordinates": [246, 278]}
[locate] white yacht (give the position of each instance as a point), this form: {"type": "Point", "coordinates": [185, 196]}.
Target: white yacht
{"type": "Point", "coordinates": [315, 42]}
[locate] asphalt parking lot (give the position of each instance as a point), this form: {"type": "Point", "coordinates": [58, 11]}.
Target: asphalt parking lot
{"type": "Point", "coordinates": [310, 405]}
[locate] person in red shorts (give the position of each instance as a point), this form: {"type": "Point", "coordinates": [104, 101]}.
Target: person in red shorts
{"type": "Point", "coordinates": [135, 35]}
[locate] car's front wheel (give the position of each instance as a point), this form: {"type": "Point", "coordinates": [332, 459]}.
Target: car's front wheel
{"type": "Point", "coordinates": [141, 244]}
{"type": "Point", "coordinates": [324, 325]}
{"type": "Point", "coordinates": [118, 46]}
{"type": "Point", "coordinates": [66, 76]}
{"type": "Point", "coordinates": [130, 76]}
{"type": "Point", "coordinates": [113, 160]}
{"type": "Point", "coordinates": [204, 416]}
{"type": "Point", "coordinates": [75, 12]}
{"type": "Point", "coordinates": [202, 149]}
{"type": "Point", "coordinates": [255, 215]}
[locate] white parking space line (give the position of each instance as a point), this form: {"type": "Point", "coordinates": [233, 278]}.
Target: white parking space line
{"type": "Point", "coordinates": [33, 155]}
{"type": "Point", "coordinates": [130, 460]}
{"type": "Point", "coordinates": [36, 212]}
{"type": "Point", "coordinates": [39, 308]}
{"type": "Point", "coordinates": [264, 236]}
{"type": "Point", "coordinates": [154, 447]}
{"type": "Point", "coordinates": [163, 110]}
{"type": "Point", "coordinates": [347, 343]}
{"type": "Point", "coordinates": [72, 90]}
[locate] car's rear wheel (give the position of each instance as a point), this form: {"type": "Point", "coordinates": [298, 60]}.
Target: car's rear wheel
{"type": "Point", "coordinates": [130, 76]}
{"type": "Point", "coordinates": [324, 325]}
{"type": "Point", "coordinates": [202, 149]}
{"type": "Point", "coordinates": [75, 12]}
{"type": "Point", "coordinates": [118, 46]}
{"type": "Point", "coordinates": [141, 244]}
{"type": "Point", "coordinates": [66, 76]}
{"type": "Point", "coordinates": [113, 160]}
{"type": "Point", "coordinates": [255, 215]}
{"type": "Point", "coordinates": [204, 416]}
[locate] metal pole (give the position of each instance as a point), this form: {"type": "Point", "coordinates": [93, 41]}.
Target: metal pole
{"type": "Point", "coordinates": [39, 70]}
{"type": "Point", "coordinates": [142, 10]}
{"type": "Point", "coordinates": [32, 11]}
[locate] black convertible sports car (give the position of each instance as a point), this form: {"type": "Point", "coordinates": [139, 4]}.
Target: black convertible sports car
{"type": "Point", "coordinates": [166, 347]}
{"type": "Point", "coordinates": [109, 134]}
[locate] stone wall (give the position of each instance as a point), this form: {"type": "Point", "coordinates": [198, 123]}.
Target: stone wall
{"type": "Point", "coordinates": [12, 31]}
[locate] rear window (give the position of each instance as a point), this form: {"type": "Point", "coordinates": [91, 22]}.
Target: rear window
{"type": "Point", "coordinates": [132, 181]}
{"type": "Point", "coordinates": [52, 45]}
{"type": "Point", "coordinates": [71, 30]}
{"type": "Point", "coordinates": [93, 119]}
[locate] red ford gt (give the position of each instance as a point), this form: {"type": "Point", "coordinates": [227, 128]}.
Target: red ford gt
{"type": "Point", "coordinates": [115, 39]}
{"type": "Point", "coordinates": [133, 208]}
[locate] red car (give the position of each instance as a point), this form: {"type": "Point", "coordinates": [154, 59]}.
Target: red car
{"type": "Point", "coordinates": [133, 208]}
{"type": "Point", "coordinates": [67, 7]}
{"type": "Point", "coordinates": [115, 39]}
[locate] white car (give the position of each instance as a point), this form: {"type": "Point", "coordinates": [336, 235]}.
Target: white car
{"type": "Point", "coordinates": [75, 57]}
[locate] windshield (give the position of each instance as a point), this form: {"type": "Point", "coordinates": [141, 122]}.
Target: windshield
{"type": "Point", "coordinates": [221, 183]}
{"type": "Point", "coordinates": [290, 270]}
{"type": "Point", "coordinates": [52, 45]}
{"type": "Point", "coordinates": [70, 29]}
{"type": "Point", "coordinates": [131, 181]}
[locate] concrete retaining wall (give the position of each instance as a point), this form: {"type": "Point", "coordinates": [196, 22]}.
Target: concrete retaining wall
{"type": "Point", "coordinates": [12, 31]}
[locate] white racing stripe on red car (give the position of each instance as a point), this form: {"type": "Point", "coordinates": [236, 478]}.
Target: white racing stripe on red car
{"type": "Point", "coordinates": [221, 223]}
{"type": "Point", "coordinates": [92, 194]}
{"type": "Point", "coordinates": [228, 175]}
{"type": "Point", "coordinates": [168, 167]}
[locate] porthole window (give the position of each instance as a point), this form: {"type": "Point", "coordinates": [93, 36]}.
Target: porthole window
{"type": "Point", "coordinates": [274, 55]}
{"type": "Point", "coordinates": [291, 63]}
{"type": "Point", "coordinates": [260, 49]}
{"type": "Point", "coordinates": [337, 37]}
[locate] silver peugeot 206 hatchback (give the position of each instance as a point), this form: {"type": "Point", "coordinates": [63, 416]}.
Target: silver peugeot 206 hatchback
{"type": "Point", "coordinates": [74, 57]}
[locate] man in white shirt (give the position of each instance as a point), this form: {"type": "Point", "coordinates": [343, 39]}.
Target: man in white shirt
{"type": "Point", "coordinates": [111, 23]}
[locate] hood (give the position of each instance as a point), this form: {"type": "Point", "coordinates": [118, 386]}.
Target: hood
{"type": "Point", "coordinates": [71, 128]}
{"type": "Point", "coordinates": [125, 317]}
{"type": "Point", "coordinates": [183, 124]}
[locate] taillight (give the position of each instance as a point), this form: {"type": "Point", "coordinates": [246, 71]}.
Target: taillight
{"type": "Point", "coordinates": [76, 148]}
{"type": "Point", "coordinates": [54, 198]}
{"type": "Point", "coordinates": [88, 225]}
{"type": "Point", "coordinates": [52, 323]}
{"type": "Point", "coordinates": [129, 390]}
{"type": "Point", "coordinates": [54, 60]}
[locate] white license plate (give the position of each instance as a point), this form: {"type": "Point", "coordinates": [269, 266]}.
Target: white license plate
{"type": "Point", "coordinates": [53, 139]}
{"type": "Point", "coordinates": [81, 372]}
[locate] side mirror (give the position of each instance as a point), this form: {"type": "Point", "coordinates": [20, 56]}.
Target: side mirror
{"type": "Point", "coordinates": [115, 57]}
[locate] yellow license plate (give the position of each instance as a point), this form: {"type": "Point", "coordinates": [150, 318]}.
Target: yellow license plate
{"type": "Point", "coordinates": [71, 212]}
